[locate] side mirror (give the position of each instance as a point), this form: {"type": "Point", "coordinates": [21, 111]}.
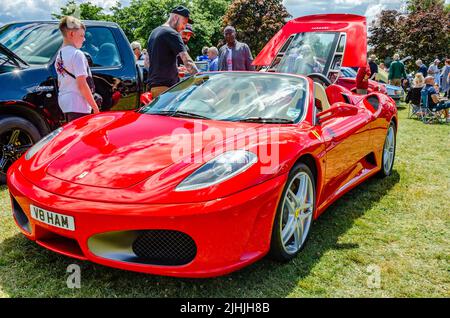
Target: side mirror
{"type": "Point", "coordinates": [337, 110]}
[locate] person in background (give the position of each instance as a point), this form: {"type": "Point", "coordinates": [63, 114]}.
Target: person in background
{"type": "Point", "coordinates": [75, 83]}
{"type": "Point", "coordinates": [186, 35]}
{"type": "Point", "coordinates": [213, 59]}
{"type": "Point", "coordinates": [434, 71]}
{"type": "Point", "coordinates": [445, 75]}
{"type": "Point", "coordinates": [204, 56]}
{"type": "Point", "coordinates": [383, 74]}
{"type": "Point", "coordinates": [362, 80]}
{"type": "Point", "coordinates": [396, 71]}
{"type": "Point", "coordinates": [422, 68]}
{"type": "Point", "coordinates": [137, 50]}
{"type": "Point", "coordinates": [435, 101]}
{"type": "Point", "coordinates": [373, 67]}
{"type": "Point", "coordinates": [164, 45]}
{"type": "Point", "coordinates": [234, 55]}
{"type": "Point", "coordinates": [146, 58]}
{"type": "Point", "coordinates": [419, 80]}
{"type": "Point", "coordinates": [437, 88]}
{"type": "Point", "coordinates": [306, 61]}
{"type": "Point", "coordinates": [413, 95]}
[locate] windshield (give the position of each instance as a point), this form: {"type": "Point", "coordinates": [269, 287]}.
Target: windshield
{"type": "Point", "coordinates": [307, 53]}
{"type": "Point", "coordinates": [35, 43]}
{"type": "Point", "coordinates": [235, 96]}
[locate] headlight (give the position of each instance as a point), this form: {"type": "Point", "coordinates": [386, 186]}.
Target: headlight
{"type": "Point", "coordinates": [41, 143]}
{"type": "Point", "coordinates": [219, 169]}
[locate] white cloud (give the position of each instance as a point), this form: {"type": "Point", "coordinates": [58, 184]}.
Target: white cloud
{"type": "Point", "coordinates": [369, 8]}
{"type": "Point", "coordinates": [372, 11]}
{"type": "Point", "coordinates": [17, 10]}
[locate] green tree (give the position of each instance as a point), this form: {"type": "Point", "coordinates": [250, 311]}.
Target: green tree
{"type": "Point", "coordinates": [256, 21]}
{"type": "Point", "coordinates": [84, 11]}
{"type": "Point", "coordinates": [428, 34]}
{"type": "Point", "coordinates": [142, 16]}
{"type": "Point", "coordinates": [422, 5]}
{"type": "Point", "coordinates": [208, 24]}
{"type": "Point", "coordinates": [386, 34]}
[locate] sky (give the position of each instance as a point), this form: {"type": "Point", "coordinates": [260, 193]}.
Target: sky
{"type": "Point", "coordinates": [16, 10]}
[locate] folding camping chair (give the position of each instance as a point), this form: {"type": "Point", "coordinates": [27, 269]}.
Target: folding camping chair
{"type": "Point", "coordinates": [428, 114]}
{"type": "Point", "coordinates": [413, 99]}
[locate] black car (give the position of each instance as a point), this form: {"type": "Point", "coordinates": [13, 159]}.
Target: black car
{"type": "Point", "coordinates": [28, 81]}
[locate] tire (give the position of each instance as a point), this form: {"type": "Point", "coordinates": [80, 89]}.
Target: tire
{"type": "Point", "coordinates": [285, 249]}
{"type": "Point", "coordinates": [27, 135]}
{"type": "Point", "coordinates": [388, 157]}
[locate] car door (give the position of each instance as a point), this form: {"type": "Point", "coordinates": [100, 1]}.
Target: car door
{"type": "Point", "coordinates": [347, 141]}
{"type": "Point", "coordinates": [113, 67]}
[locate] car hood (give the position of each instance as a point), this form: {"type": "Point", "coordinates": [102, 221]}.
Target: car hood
{"type": "Point", "coordinates": [121, 149]}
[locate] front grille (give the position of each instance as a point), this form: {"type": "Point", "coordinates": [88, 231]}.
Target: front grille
{"type": "Point", "coordinates": [20, 216]}
{"type": "Point", "coordinates": [164, 247]}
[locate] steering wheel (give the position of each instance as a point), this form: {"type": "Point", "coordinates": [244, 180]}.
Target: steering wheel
{"type": "Point", "coordinates": [320, 78]}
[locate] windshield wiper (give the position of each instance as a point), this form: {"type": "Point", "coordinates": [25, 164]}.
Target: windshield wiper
{"type": "Point", "coordinates": [266, 120]}
{"type": "Point", "coordinates": [12, 55]}
{"type": "Point", "coordinates": [179, 113]}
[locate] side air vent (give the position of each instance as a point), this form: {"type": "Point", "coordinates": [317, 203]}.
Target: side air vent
{"type": "Point", "coordinates": [20, 216]}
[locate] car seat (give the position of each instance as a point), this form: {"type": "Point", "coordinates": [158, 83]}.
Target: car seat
{"type": "Point", "coordinates": [413, 98]}
{"type": "Point", "coordinates": [428, 113]}
{"type": "Point", "coordinates": [320, 97]}
{"type": "Point", "coordinates": [107, 55]}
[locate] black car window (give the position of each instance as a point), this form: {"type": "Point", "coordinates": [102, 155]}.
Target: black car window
{"type": "Point", "coordinates": [35, 43]}
{"type": "Point", "coordinates": [101, 47]}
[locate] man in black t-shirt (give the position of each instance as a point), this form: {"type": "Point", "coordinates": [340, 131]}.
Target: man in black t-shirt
{"type": "Point", "coordinates": [164, 45]}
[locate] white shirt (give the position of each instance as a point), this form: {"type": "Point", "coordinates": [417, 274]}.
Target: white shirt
{"type": "Point", "coordinates": [69, 95]}
{"type": "Point", "coordinates": [229, 59]}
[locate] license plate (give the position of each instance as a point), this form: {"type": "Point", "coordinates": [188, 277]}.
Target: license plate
{"type": "Point", "coordinates": [51, 218]}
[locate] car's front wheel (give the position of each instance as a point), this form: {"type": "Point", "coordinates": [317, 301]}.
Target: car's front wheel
{"type": "Point", "coordinates": [388, 151]}
{"type": "Point", "coordinates": [294, 214]}
{"type": "Point", "coordinates": [16, 136]}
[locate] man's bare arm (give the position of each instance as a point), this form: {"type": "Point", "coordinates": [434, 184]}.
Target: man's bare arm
{"type": "Point", "coordinates": [435, 98]}
{"type": "Point", "coordinates": [188, 63]}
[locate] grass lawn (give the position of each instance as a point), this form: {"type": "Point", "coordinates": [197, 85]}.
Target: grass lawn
{"type": "Point", "coordinates": [399, 225]}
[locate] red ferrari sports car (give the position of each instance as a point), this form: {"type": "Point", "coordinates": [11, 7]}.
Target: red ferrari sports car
{"type": "Point", "coordinates": [219, 171]}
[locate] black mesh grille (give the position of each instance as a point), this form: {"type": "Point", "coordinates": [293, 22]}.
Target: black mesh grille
{"type": "Point", "coordinates": [165, 247]}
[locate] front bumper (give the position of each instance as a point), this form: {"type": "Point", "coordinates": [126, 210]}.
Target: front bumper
{"type": "Point", "coordinates": [229, 232]}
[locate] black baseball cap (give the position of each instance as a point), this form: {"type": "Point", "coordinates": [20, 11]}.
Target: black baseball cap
{"type": "Point", "coordinates": [183, 11]}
